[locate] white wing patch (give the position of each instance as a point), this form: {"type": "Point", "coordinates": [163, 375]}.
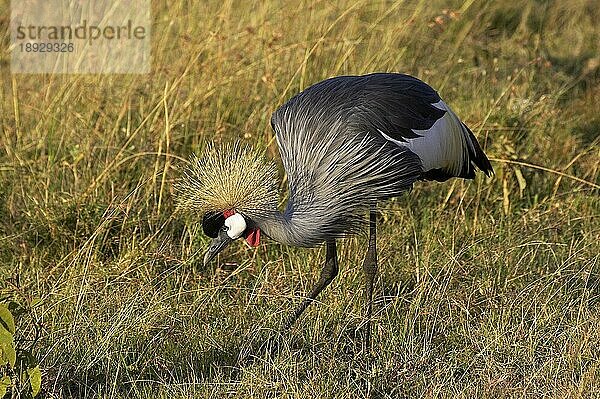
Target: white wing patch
{"type": "Point", "coordinates": [236, 225]}
{"type": "Point", "coordinates": [443, 146]}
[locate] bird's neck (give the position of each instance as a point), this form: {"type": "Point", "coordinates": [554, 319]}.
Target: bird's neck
{"type": "Point", "coordinates": [300, 224]}
{"type": "Point", "coordinates": [282, 227]}
{"type": "Point", "coordinates": [307, 220]}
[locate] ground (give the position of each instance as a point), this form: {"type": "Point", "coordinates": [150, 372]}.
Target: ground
{"type": "Point", "coordinates": [487, 288]}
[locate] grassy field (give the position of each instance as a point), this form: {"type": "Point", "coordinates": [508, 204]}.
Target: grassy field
{"type": "Point", "coordinates": [487, 289]}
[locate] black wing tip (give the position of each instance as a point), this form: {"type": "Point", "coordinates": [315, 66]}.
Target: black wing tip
{"type": "Point", "coordinates": [477, 156]}
{"type": "Point", "coordinates": [482, 161]}
{"type": "Point", "coordinates": [477, 161]}
{"type": "Point", "coordinates": [487, 169]}
{"type": "Point", "coordinates": [437, 174]}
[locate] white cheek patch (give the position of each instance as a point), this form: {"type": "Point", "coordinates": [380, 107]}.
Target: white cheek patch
{"type": "Point", "coordinates": [236, 225]}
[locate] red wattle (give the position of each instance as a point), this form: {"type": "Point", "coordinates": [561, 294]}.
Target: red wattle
{"type": "Point", "coordinates": [252, 237]}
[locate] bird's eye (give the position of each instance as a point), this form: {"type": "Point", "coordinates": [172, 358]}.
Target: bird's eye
{"type": "Point", "coordinates": [225, 228]}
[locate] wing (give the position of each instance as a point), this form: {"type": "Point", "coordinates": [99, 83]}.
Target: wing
{"type": "Point", "coordinates": [350, 141]}
{"type": "Point", "coordinates": [335, 172]}
{"type": "Point", "coordinates": [409, 113]}
{"type": "Point", "coordinates": [395, 104]}
{"type": "Point", "coordinates": [400, 108]}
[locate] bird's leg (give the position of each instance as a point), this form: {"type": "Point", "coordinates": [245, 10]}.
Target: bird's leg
{"type": "Point", "coordinates": [328, 273]}
{"type": "Point", "coordinates": [370, 270]}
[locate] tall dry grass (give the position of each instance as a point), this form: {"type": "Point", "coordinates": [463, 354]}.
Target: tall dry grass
{"type": "Point", "coordinates": [487, 288]}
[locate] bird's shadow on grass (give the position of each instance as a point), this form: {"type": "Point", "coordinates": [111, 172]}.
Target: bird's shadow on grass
{"type": "Point", "coordinates": [267, 344]}
{"type": "Point", "coordinates": [264, 344]}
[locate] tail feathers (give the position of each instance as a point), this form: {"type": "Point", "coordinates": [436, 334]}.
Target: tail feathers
{"type": "Point", "coordinates": [463, 152]}
{"type": "Point", "coordinates": [447, 149]}
{"type": "Point", "coordinates": [475, 159]}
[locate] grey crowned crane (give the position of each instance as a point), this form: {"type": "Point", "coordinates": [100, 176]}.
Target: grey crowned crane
{"type": "Point", "coordinates": [346, 144]}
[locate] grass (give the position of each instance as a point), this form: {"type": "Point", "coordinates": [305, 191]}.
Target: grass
{"type": "Point", "coordinates": [486, 289]}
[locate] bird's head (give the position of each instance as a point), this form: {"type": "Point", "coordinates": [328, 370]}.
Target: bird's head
{"type": "Point", "coordinates": [226, 227]}
{"type": "Point", "coordinates": [231, 187]}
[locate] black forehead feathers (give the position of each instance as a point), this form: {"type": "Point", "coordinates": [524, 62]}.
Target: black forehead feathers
{"type": "Point", "coordinates": [212, 222]}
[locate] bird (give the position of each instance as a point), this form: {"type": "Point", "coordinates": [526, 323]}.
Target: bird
{"type": "Point", "coordinates": [346, 143]}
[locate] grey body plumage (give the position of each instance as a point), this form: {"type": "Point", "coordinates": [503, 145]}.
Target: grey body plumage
{"type": "Point", "coordinates": [333, 144]}
{"type": "Point", "coordinates": [347, 143]}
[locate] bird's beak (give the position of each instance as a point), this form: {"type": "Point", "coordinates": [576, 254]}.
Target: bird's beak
{"type": "Point", "coordinates": [217, 245]}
